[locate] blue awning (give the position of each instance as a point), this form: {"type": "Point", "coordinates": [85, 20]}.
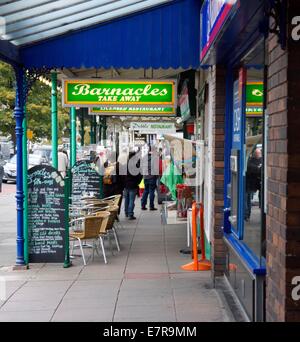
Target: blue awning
{"type": "Point", "coordinates": [163, 37]}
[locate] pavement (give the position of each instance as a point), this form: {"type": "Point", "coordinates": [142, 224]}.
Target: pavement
{"type": "Point", "coordinates": [143, 282]}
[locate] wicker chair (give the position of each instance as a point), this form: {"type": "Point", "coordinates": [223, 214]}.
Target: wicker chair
{"type": "Point", "coordinates": [110, 229]}
{"type": "Point", "coordinates": [116, 200]}
{"type": "Point", "coordinates": [88, 227]}
{"type": "Point", "coordinates": [107, 201]}
{"type": "Point", "coordinates": [113, 210]}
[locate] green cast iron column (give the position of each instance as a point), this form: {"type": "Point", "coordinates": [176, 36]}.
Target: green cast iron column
{"type": "Point", "coordinates": [54, 119]}
{"type": "Point", "coordinates": [100, 131]}
{"type": "Point", "coordinates": [104, 131]}
{"type": "Point", "coordinates": [73, 136]}
{"type": "Point", "coordinates": [67, 262]}
{"type": "Point", "coordinates": [95, 129]}
{"type": "Point", "coordinates": [25, 187]}
{"type": "Point", "coordinates": [92, 137]}
{"type": "Point", "coordinates": [82, 127]}
{"type": "Point", "coordinates": [91, 131]}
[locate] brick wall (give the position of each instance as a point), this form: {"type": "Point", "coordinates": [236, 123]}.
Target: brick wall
{"type": "Point", "coordinates": [218, 105]}
{"type": "Point", "coordinates": [283, 218]}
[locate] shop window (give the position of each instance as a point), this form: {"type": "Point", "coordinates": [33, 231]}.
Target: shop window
{"type": "Point", "coordinates": [246, 188]}
{"type": "Point", "coordinates": [254, 157]}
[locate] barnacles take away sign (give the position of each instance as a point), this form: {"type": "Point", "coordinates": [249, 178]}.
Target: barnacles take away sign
{"type": "Point", "coordinates": [127, 94]}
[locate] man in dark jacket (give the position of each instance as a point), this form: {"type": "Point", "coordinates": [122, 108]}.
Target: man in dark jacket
{"type": "Point", "coordinates": [131, 184]}
{"type": "Point", "coordinates": [150, 172]}
{"type": "Point", "coordinates": [253, 180]}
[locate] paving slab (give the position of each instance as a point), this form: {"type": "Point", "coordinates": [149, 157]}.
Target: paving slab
{"type": "Point", "coordinates": [31, 305]}
{"type": "Point", "coordinates": [84, 303]}
{"type": "Point", "coordinates": [142, 300]}
{"type": "Point", "coordinates": [83, 315]}
{"type": "Point", "coordinates": [26, 316]}
{"type": "Point", "coordinates": [142, 313]}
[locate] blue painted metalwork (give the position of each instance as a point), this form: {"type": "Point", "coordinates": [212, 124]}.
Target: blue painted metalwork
{"type": "Point", "coordinates": [19, 115]}
{"type": "Point", "coordinates": [242, 165]}
{"type": "Point", "coordinates": [25, 186]}
{"type": "Point", "coordinates": [228, 146]}
{"type": "Point", "coordinates": [9, 52]}
{"type": "Point", "coordinates": [212, 18]}
{"type": "Point", "coordinates": [164, 37]}
{"type": "Point", "coordinates": [238, 143]}
{"type": "Point", "coordinates": [244, 26]}
{"type": "Point", "coordinates": [254, 264]}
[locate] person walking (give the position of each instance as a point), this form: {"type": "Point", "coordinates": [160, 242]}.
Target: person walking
{"type": "Point", "coordinates": [113, 182]}
{"type": "Point", "coordinates": [131, 183]}
{"type": "Point", "coordinates": [253, 181]}
{"type": "Point", "coordinates": [150, 169]}
{"type": "Point", "coordinates": [63, 161]}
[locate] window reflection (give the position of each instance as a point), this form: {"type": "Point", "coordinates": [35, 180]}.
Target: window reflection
{"type": "Point", "coordinates": [253, 193]}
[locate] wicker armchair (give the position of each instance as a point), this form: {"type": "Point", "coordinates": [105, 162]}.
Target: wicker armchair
{"type": "Point", "coordinates": [89, 227]}
{"type": "Point", "coordinates": [113, 210]}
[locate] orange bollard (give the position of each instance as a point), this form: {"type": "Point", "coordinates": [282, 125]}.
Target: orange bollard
{"type": "Point", "coordinates": [203, 264]}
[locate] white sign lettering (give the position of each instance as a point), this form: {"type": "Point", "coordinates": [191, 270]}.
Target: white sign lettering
{"type": "Point", "coordinates": [296, 29]}
{"type": "Point", "coordinates": [153, 127]}
{"type": "Point", "coordinates": [296, 289]}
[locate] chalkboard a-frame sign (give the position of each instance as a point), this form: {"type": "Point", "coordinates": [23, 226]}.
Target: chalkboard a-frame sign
{"type": "Point", "coordinates": [85, 180]}
{"type": "Point", "coordinates": [46, 215]}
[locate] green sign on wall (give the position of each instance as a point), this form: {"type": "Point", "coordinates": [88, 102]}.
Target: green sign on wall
{"type": "Point", "coordinates": [254, 99]}
{"type": "Point", "coordinates": [133, 110]}
{"type": "Point", "coordinates": [88, 93]}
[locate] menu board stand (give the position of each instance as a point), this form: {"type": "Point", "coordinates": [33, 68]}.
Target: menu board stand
{"type": "Point", "coordinates": [86, 181]}
{"type": "Point", "coordinates": [48, 223]}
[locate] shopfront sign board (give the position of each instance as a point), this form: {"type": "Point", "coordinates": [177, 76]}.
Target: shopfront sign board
{"type": "Point", "coordinates": [100, 92]}
{"type": "Point", "coordinates": [153, 127]}
{"type": "Point", "coordinates": [133, 110]}
{"type": "Point", "coordinates": [254, 99]}
{"type": "Point", "coordinates": [214, 14]}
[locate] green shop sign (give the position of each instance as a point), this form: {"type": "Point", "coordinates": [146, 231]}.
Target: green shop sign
{"type": "Point", "coordinates": [88, 93]}
{"type": "Point", "coordinates": [133, 110]}
{"type": "Point", "coordinates": [254, 99]}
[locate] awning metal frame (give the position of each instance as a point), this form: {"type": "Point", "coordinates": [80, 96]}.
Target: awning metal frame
{"type": "Point", "coordinates": [30, 21]}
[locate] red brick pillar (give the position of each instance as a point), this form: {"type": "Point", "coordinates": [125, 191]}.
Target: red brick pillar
{"type": "Point", "coordinates": [219, 105]}
{"type": "Point", "coordinates": [283, 169]}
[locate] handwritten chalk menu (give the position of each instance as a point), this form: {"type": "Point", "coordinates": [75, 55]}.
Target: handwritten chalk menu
{"type": "Point", "coordinates": [46, 215]}
{"type": "Point", "coordinates": [85, 180]}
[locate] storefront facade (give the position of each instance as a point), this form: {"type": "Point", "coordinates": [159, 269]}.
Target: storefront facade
{"type": "Point", "coordinates": [246, 210]}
